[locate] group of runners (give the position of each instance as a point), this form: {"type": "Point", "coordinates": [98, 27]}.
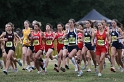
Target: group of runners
{"type": "Point", "coordinates": [77, 42]}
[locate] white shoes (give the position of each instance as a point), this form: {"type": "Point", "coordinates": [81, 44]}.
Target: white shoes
{"type": "Point", "coordinates": [89, 70]}
{"type": "Point", "coordinates": [39, 72]}
{"type": "Point", "coordinates": [99, 74]}
{"type": "Point", "coordinates": [80, 73]}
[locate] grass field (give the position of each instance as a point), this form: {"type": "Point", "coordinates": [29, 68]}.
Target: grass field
{"type": "Point", "coordinates": [68, 76]}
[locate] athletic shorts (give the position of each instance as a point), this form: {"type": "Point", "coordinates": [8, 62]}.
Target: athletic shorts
{"type": "Point", "coordinates": [49, 47]}
{"type": "Point", "coordinates": [37, 48]}
{"type": "Point", "coordinates": [89, 46]}
{"type": "Point", "coordinates": [80, 46]}
{"type": "Point", "coordinates": [1, 53]}
{"type": "Point", "coordinates": [101, 50]}
{"type": "Point", "coordinates": [65, 47]}
{"type": "Point", "coordinates": [117, 45]}
{"type": "Point", "coordinates": [59, 47]}
{"type": "Point", "coordinates": [70, 48]}
{"type": "Point", "coordinates": [31, 48]}
{"type": "Point", "coordinates": [9, 48]}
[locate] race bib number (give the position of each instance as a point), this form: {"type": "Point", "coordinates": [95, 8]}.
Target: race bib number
{"type": "Point", "coordinates": [87, 39]}
{"type": "Point", "coordinates": [114, 38]}
{"type": "Point", "coordinates": [36, 42]}
{"type": "Point", "coordinates": [79, 40]}
{"type": "Point", "coordinates": [66, 42]}
{"type": "Point", "coordinates": [9, 44]}
{"type": "Point", "coordinates": [101, 42]}
{"type": "Point", "coordinates": [49, 42]}
{"type": "Point", "coordinates": [60, 41]}
{"type": "Point", "coordinates": [72, 40]}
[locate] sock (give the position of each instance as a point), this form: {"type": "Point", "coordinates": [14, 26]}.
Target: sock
{"type": "Point", "coordinates": [74, 61]}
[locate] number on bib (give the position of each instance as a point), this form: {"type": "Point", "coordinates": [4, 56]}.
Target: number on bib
{"type": "Point", "coordinates": [114, 38]}
{"type": "Point", "coordinates": [49, 42]}
{"type": "Point", "coordinates": [36, 42]}
{"type": "Point", "coordinates": [66, 42]}
{"type": "Point", "coordinates": [101, 42]}
{"type": "Point", "coordinates": [9, 44]}
{"type": "Point", "coordinates": [87, 39]}
{"type": "Point", "coordinates": [60, 41]}
{"type": "Point", "coordinates": [72, 40]}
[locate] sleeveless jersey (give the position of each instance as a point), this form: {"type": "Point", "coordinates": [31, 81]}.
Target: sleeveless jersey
{"type": "Point", "coordinates": [87, 36]}
{"type": "Point", "coordinates": [72, 37]}
{"type": "Point", "coordinates": [114, 35]}
{"type": "Point", "coordinates": [10, 41]}
{"type": "Point", "coordinates": [100, 39]}
{"type": "Point", "coordinates": [49, 39]}
{"type": "Point", "coordinates": [59, 38]}
{"type": "Point", "coordinates": [37, 40]}
{"type": "Point", "coordinates": [26, 33]}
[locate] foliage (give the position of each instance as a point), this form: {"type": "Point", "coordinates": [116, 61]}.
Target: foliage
{"type": "Point", "coordinates": [54, 11]}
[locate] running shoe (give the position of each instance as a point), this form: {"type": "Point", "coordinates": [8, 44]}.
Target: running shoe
{"type": "Point", "coordinates": [89, 70]}
{"type": "Point", "coordinates": [80, 73]}
{"type": "Point", "coordinates": [19, 62]}
{"type": "Point", "coordinates": [99, 74]}
{"type": "Point", "coordinates": [66, 66]}
{"type": "Point", "coordinates": [62, 69]}
{"type": "Point", "coordinates": [113, 69]}
{"type": "Point", "coordinates": [56, 69]}
{"type": "Point", "coordinates": [39, 72]}
{"type": "Point", "coordinates": [5, 71]}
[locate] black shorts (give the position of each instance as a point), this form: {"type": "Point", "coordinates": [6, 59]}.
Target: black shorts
{"type": "Point", "coordinates": [70, 48]}
{"type": "Point", "coordinates": [89, 46]}
{"type": "Point", "coordinates": [65, 47]}
{"type": "Point", "coordinates": [117, 45]}
{"type": "Point", "coordinates": [31, 48]}
{"type": "Point", "coordinates": [9, 48]}
{"type": "Point", "coordinates": [1, 53]}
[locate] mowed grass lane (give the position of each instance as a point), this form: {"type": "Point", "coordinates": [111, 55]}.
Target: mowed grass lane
{"type": "Point", "coordinates": [68, 76]}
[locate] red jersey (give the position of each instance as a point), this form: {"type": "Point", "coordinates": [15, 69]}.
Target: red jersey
{"type": "Point", "coordinates": [80, 42]}
{"type": "Point", "coordinates": [100, 39]}
{"type": "Point", "coordinates": [37, 41]}
{"type": "Point", "coordinates": [48, 40]}
{"type": "Point", "coordinates": [60, 43]}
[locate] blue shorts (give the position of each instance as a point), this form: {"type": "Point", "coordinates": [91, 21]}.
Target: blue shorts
{"type": "Point", "coordinates": [70, 48]}
{"type": "Point", "coordinates": [65, 47]}
{"type": "Point", "coordinates": [89, 46]}
{"type": "Point", "coordinates": [117, 45]}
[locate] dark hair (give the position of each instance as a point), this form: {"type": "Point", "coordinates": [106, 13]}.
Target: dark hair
{"type": "Point", "coordinates": [81, 24]}
{"type": "Point", "coordinates": [61, 24]}
{"type": "Point", "coordinates": [90, 23]}
{"type": "Point", "coordinates": [37, 24]}
{"type": "Point", "coordinates": [51, 27]}
{"type": "Point", "coordinates": [105, 20]}
{"type": "Point", "coordinates": [118, 23]}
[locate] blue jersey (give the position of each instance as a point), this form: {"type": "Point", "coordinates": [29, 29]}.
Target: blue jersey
{"type": "Point", "coordinates": [72, 37]}
{"type": "Point", "coordinates": [87, 36]}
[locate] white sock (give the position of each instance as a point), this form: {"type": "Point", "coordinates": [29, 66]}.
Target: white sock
{"type": "Point", "coordinates": [74, 61]}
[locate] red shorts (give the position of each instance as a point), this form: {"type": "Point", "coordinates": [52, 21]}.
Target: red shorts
{"type": "Point", "coordinates": [59, 47]}
{"type": "Point", "coordinates": [100, 50]}
{"type": "Point", "coordinates": [48, 47]}
{"type": "Point", "coordinates": [80, 46]}
{"type": "Point", "coordinates": [39, 47]}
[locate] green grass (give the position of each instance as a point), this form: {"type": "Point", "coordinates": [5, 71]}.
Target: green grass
{"type": "Point", "coordinates": [68, 76]}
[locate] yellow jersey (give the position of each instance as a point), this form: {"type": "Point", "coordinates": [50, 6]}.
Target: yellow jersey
{"type": "Point", "coordinates": [26, 33]}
